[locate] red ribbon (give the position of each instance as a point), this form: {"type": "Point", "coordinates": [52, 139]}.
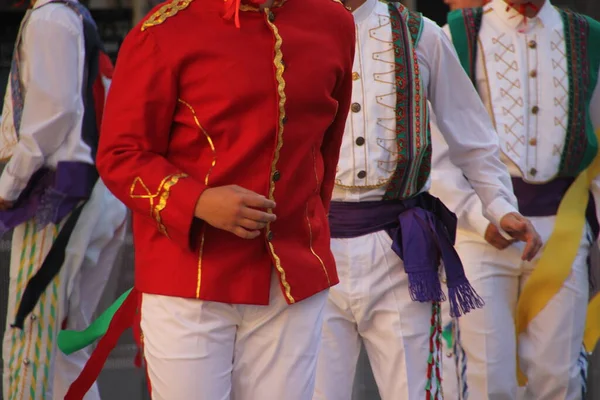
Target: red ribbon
{"type": "Point", "coordinates": [232, 9]}
{"type": "Point", "coordinates": [522, 8]}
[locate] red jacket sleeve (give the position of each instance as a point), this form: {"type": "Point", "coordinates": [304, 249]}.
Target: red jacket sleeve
{"type": "Point", "coordinates": [135, 137]}
{"type": "Point", "coordinates": [332, 142]}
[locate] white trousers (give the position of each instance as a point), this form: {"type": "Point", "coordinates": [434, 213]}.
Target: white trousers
{"type": "Point", "coordinates": [33, 367]}
{"type": "Point", "coordinates": [202, 350]}
{"type": "Point", "coordinates": [549, 350]}
{"type": "Point", "coordinates": [372, 303]}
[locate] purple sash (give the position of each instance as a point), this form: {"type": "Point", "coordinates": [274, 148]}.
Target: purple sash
{"type": "Point", "coordinates": [51, 195]}
{"type": "Point", "coordinates": [423, 233]}
{"type": "Point", "coordinates": [542, 200]}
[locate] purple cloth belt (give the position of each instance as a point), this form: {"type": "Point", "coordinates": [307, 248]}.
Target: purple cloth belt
{"type": "Point", "coordinates": [51, 195]}
{"type": "Point", "coordinates": [423, 232]}
{"type": "Point", "coordinates": [542, 200]}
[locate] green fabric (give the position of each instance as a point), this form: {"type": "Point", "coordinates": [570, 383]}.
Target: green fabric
{"type": "Point", "coordinates": [72, 341]}
{"type": "Point", "coordinates": [464, 26]}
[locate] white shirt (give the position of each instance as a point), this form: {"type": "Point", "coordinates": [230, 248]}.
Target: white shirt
{"type": "Point", "coordinates": [52, 62]}
{"type": "Point", "coordinates": [369, 145]}
{"type": "Point", "coordinates": [521, 64]}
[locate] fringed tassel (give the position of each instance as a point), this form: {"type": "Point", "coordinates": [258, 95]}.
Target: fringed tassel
{"type": "Point", "coordinates": [425, 286]}
{"type": "Point", "coordinates": [463, 299]}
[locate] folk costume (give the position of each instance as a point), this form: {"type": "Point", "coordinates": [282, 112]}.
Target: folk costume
{"type": "Point", "coordinates": [538, 79]}
{"type": "Point", "coordinates": [209, 94]}
{"type": "Point", "coordinates": [67, 227]}
{"type": "Point", "coordinates": [390, 235]}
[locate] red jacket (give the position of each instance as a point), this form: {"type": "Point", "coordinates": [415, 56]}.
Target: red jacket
{"type": "Point", "coordinates": [196, 102]}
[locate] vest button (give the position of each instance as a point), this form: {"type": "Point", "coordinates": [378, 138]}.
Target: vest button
{"type": "Point", "coordinates": [362, 174]}
{"type": "Point", "coordinates": [360, 141]}
{"type": "Point", "coordinates": [532, 141]}
{"type": "Point", "coordinates": [533, 73]}
{"type": "Point", "coordinates": [270, 236]}
{"type": "Point", "coordinates": [535, 109]}
{"type": "Point", "coordinates": [276, 176]}
{"type": "Point", "coordinates": [532, 44]}
{"type": "Point", "coordinates": [271, 16]}
{"type": "Point", "coordinates": [355, 76]}
{"type": "Point", "coordinates": [355, 107]}
{"type": "Point", "coordinates": [532, 171]}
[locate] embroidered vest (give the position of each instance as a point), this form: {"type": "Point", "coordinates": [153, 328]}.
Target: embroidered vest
{"type": "Point", "coordinates": [581, 34]}
{"type": "Point", "coordinates": [412, 120]}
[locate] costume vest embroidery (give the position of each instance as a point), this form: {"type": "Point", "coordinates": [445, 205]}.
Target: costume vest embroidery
{"type": "Point", "coordinates": [581, 35]}
{"type": "Point", "coordinates": [412, 120]}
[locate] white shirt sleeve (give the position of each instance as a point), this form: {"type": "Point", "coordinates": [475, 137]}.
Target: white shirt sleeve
{"type": "Point", "coordinates": [473, 144]}
{"type": "Point", "coordinates": [51, 99]}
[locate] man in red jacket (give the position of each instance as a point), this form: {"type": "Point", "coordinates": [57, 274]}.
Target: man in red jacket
{"type": "Point", "coordinates": [222, 134]}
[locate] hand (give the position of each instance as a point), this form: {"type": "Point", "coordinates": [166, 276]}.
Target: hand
{"type": "Point", "coordinates": [521, 229]}
{"type": "Point", "coordinates": [234, 209]}
{"type": "Point", "coordinates": [495, 238]}
{"type": "Point", "coordinates": [5, 204]}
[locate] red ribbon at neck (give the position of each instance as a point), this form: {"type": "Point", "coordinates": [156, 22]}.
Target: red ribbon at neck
{"type": "Point", "coordinates": [522, 8]}
{"type": "Point", "coordinates": [232, 9]}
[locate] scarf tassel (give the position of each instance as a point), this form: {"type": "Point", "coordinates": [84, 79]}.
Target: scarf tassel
{"type": "Point", "coordinates": [463, 299]}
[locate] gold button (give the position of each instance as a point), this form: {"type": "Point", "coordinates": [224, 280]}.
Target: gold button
{"type": "Point", "coordinates": [360, 141]}
{"type": "Point", "coordinates": [355, 76]}
{"type": "Point", "coordinates": [532, 171]}
{"type": "Point", "coordinates": [535, 109]}
{"type": "Point", "coordinates": [533, 73]}
{"type": "Point", "coordinates": [361, 174]}
{"type": "Point", "coordinates": [26, 361]}
{"type": "Point", "coordinates": [449, 354]}
{"type": "Point", "coordinates": [33, 317]}
{"type": "Point", "coordinates": [271, 16]}
{"type": "Point", "coordinates": [355, 107]}
{"type": "Point", "coordinates": [532, 44]}
{"type": "Point", "coordinates": [532, 141]}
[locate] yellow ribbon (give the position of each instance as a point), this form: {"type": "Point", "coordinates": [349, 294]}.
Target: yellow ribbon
{"type": "Point", "coordinates": [554, 265]}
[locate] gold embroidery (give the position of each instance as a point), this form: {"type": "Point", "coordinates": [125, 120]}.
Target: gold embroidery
{"type": "Point", "coordinates": [279, 68]}
{"type": "Point", "coordinates": [249, 7]}
{"type": "Point", "coordinates": [208, 139]}
{"type": "Point", "coordinates": [165, 12]}
{"type": "Point", "coordinates": [163, 192]}
{"type": "Point", "coordinates": [214, 162]}
{"type": "Point", "coordinates": [511, 68]}
{"type": "Point", "coordinates": [308, 219]}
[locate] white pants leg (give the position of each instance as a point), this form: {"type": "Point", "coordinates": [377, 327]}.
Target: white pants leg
{"type": "Point", "coordinates": [33, 369]}
{"type": "Point", "coordinates": [549, 349]}
{"type": "Point", "coordinates": [204, 350]}
{"type": "Point", "coordinates": [373, 302]}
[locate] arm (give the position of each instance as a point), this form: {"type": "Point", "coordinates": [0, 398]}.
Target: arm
{"type": "Point", "coordinates": [472, 142]}
{"type": "Point", "coordinates": [52, 101]}
{"type": "Point", "coordinates": [332, 142]}
{"type": "Point", "coordinates": [135, 138]}
{"type": "Point", "coordinates": [449, 184]}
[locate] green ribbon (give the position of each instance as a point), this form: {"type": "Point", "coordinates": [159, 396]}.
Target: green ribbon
{"type": "Point", "coordinates": [447, 335]}
{"type": "Point", "coordinates": [71, 341]}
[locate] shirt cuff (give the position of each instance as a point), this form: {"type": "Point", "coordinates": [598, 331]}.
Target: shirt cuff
{"type": "Point", "coordinates": [497, 210]}
{"type": "Point", "coordinates": [10, 186]}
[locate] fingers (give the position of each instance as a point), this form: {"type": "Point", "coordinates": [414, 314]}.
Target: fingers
{"type": "Point", "coordinates": [532, 246]}
{"type": "Point", "coordinates": [252, 225]}
{"type": "Point", "coordinates": [257, 215]}
{"type": "Point", "coordinates": [245, 233]}
{"type": "Point", "coordinates": [255, 200]}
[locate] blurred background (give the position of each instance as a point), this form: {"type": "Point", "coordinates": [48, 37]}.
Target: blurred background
{"type": "Point", "coordinates": [120, 380]}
